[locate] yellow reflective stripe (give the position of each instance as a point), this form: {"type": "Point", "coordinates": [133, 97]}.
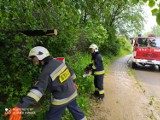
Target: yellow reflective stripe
{"type": "Point", "coordinates": [99, 72]}
{"type": "Point", "coordinates": [65, 100]}
{"type": "Point", "coordinates": [93, 67]}
{"type": "Point", "coordinates": [57, 69]}
{"type": "Point", "coordinates": [84, 118]}
{"type": "Point", "coordinates": [58, 73]}
{"type": "Point", "coordinates": [73, 76]}
{"type": "Point", "coordinates": [32, 95]}
{"type": "Point", "coordinates": [36, 92]}
{"type": "Point", "coordinates": [101, 92]}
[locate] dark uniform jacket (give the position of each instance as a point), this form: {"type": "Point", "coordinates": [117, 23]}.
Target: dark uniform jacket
{"type": "Point", "coordinates": [58, 78]}
{"type": "Point", "coordinates": [97, 64]}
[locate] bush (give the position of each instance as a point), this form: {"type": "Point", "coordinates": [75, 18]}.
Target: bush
{"type": "Point", "coordinates": [78, 62]}
{"type": "Point", "coordinates": [125, 45]}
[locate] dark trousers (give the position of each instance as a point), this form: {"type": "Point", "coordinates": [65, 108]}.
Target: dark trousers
{"type": "Point", "coordinates": [55, 112]}
{"type": "Point", "coordinates": [98, 81]}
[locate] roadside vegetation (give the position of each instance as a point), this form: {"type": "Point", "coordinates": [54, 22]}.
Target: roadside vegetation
{"type": "Point", "coordinates": [79, 24]}
{"type": "Point", "coordinates": [155, 29]}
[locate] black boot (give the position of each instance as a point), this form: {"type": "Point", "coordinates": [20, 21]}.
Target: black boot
{"type": "Point", "coordinates": [96, 93]}
{"type": "Point", "coordinates": [101, 96]}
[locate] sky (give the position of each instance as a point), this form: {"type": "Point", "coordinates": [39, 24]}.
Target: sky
{"type": "Point", "coordinates": [150, 20]}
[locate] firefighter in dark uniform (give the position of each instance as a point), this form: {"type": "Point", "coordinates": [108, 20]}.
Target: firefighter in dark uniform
{"type": "Point", "coordinates": [97, 69]}
{"type": "Point", "coordinates": [58, 78]}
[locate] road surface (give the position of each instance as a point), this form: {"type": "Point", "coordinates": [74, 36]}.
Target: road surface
{"type": "Point", "coordinates": [124, 96]}
{"type": "Point", "coordinates": [150, 79]}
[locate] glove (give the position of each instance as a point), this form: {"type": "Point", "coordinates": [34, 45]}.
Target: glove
{"type": "Point", "coordinates": [15, 113]}
{"type": "Point", "coordinates": [88, 68]}
{"type": "Point", "coordinates": [87, 73]}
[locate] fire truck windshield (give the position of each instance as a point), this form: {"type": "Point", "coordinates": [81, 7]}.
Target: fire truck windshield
{"type": "Point", "coordinates": [154, 42]}
{"type": "Point", "coordinates": [149, 42]}
{"type": "Point", "coordinates": [142, 42]}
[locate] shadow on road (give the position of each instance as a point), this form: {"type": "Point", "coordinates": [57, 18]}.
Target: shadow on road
{"type": "Point", "coordinates": [148, 68]}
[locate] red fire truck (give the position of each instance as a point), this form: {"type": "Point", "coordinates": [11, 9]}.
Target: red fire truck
{"type": "Point", "coordinates": [146, 51]}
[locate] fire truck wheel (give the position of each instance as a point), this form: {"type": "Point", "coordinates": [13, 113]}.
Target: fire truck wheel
{"type": "Point", "coordinates": [134, 65]}
{"type": "Point", "coordinates": [159, 68]}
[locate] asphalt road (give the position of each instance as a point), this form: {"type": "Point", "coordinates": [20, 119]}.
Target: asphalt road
{"type": "Point", "coordinates": [150, 79]}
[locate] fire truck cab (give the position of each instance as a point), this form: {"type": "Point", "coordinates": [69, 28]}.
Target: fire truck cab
{"type": "Point", "coordinates": [146, 51]}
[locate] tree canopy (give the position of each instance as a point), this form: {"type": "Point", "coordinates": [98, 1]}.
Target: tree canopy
{"type": "Point", "coordinates": [154, 5]}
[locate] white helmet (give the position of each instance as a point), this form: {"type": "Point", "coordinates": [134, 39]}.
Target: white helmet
{"type": "Point", "coordinates": [39, 51]}
{"type": "Point", "coordinates": [94, 46]}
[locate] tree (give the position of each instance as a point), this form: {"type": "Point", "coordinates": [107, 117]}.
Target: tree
{"type": "Point", "coordinates": [155, 5]}
{"type": "Point", "coordinates": [115, 16]}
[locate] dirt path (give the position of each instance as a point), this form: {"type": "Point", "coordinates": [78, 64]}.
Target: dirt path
{"type": "Point", "coordinates": [124, 98]}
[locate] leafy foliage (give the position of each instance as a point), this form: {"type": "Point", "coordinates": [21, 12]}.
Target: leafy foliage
{"type": "Point", "coordinates": [156, 8]}
{"type": "Point", "coordinates": [79, 23]}
{"type": "Point", "coordinates": [151, 3]}
{"type": "Point", "coordinates": [158, 18]}
{"type": "Point", "coordinates": [92, 33]}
